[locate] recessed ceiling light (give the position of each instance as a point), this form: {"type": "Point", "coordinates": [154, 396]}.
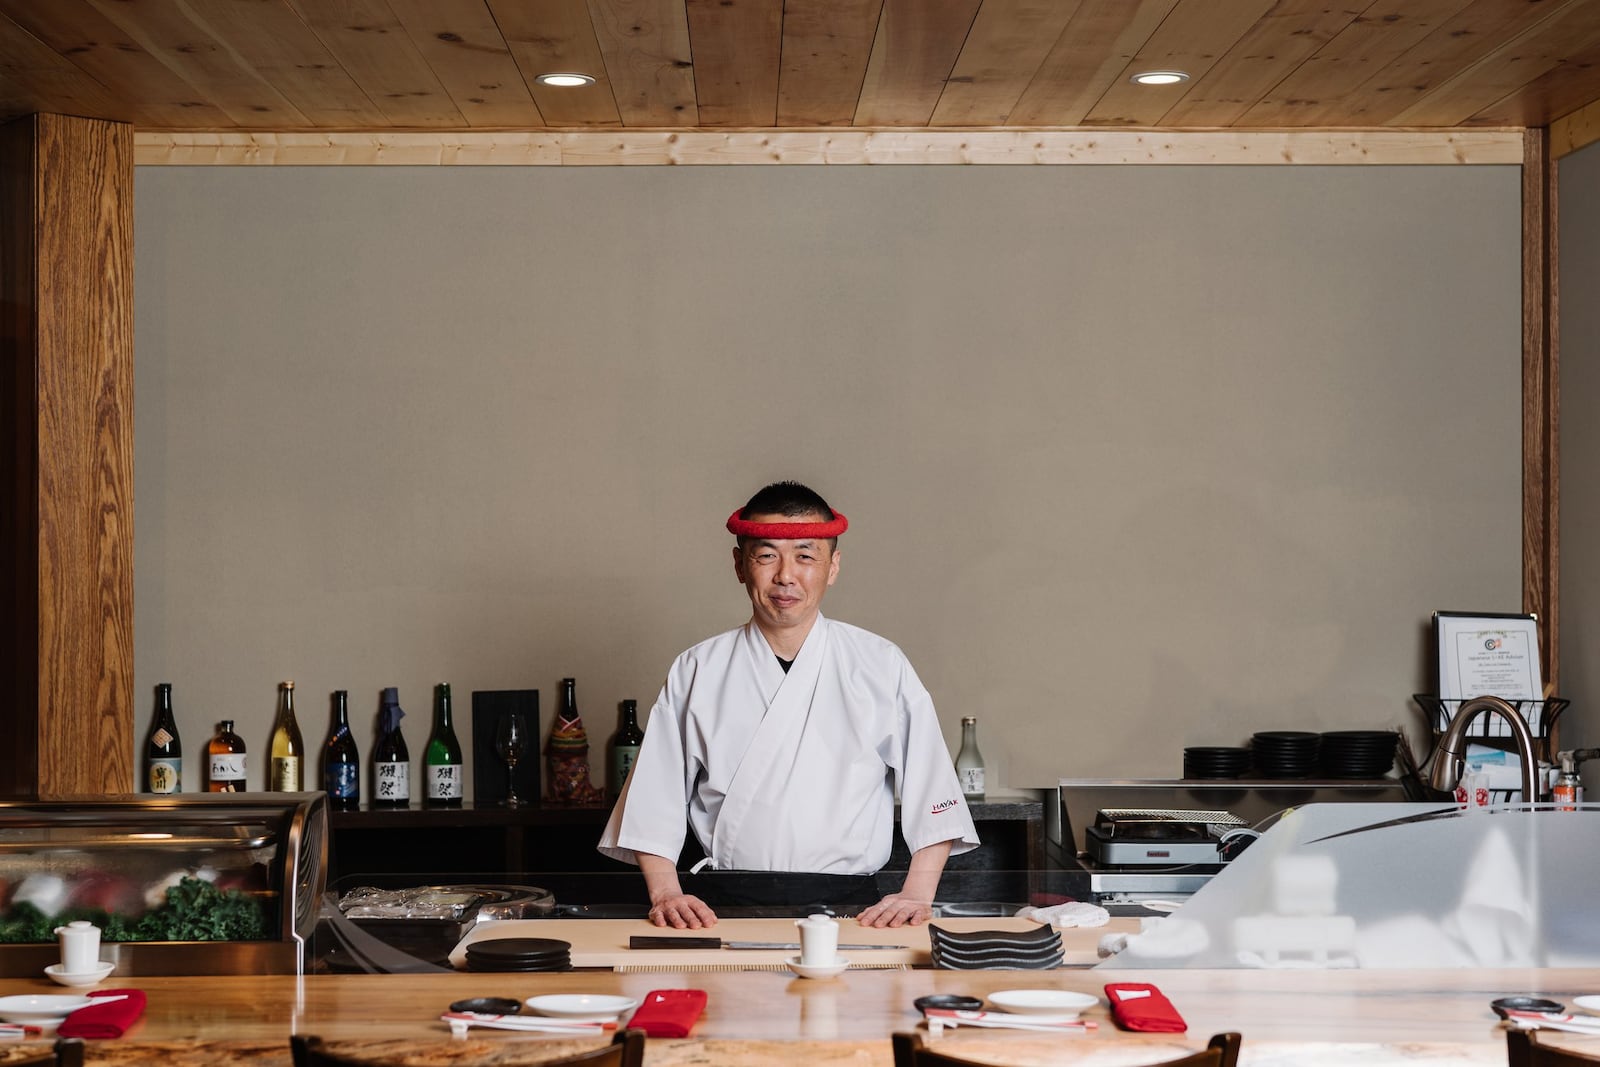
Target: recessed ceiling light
{"type": "Point", "coordinates": [565, 79]}
{"type": "Point", "coordinates": [1161, 77]}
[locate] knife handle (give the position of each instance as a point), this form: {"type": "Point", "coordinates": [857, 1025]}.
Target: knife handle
{"type": "Point", "coordinates": [636, 941]}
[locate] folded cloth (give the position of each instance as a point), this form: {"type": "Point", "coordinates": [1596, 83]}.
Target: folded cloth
{"type": "Point", "coordinates": [669, 1012]}
{"type": "Point", "coordinates": [1072, 913]}
{"type": "Point", "coordinates": [1140, 1006]}
{"type": "Point", "coordinates": [105, 1020]}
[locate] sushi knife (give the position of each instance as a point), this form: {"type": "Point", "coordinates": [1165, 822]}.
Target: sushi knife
{"type": "Point", "coordinates": [637, 941]}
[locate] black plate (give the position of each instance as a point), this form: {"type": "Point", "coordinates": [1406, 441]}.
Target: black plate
{"type": "Point", "coordinates": [1505, 1004]}
{"type": "Point", "coordinates": [948, 1002]}
{"type": "Point", "coordinates": [489, 1005]}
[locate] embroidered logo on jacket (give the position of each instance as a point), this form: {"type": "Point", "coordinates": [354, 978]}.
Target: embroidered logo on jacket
{"type": "Point", "coordinates": [943, 806]}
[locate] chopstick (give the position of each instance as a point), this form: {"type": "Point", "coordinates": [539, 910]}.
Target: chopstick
{"type": "Point", "coordinates": [546, 1024]}
{"type": "Point", "coordinates": [18, 1031]}
{"type": "Point", "coordinates": [1005, 1020]}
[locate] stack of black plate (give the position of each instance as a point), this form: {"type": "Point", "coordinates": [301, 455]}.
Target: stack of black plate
{"type": "Point", "coordinates": [1358, 753]}
{"type": "Point", "coordinates": [1215, 762]}
{"type": "Point", "coordinates": [1284, 753]}
{"type": "Point", "coordinates": [996, 950]}
{"type": "Point", "coordinates": [519, 954]}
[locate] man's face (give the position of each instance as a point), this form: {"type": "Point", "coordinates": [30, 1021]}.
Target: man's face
{"type": "Point", "coordinates": [786, 579]}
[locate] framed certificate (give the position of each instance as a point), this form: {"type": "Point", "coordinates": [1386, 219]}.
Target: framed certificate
{"type": "Point", "coordinates": [1489, 655]}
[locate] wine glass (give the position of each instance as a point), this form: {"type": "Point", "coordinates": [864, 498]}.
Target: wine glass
{"type": "Point", "coordinates": [511, 744]}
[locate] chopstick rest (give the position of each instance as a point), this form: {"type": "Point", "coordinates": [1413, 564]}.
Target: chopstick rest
{"type": "Point", "coordinates": [1141, 1006]}
{"type": "Point", "coordinates": [120, 1009]}
{"type": "Point", "coordinates": [669, 1012]}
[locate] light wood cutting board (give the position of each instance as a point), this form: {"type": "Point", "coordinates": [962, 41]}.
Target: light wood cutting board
{"type": "Point", "coordinates": [604, 942]}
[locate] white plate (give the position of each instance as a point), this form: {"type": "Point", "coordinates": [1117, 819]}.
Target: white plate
{"type": "Point", "coordinates": [40, 1010]}
{"type": "Point", "coordinates": [581, 1005]}
{"type": "Point", "coordinates": [1589, 1005]}
{"type": "Point", "coordinates": [817, 970]}
{"type": "Point", "coordinates": [1058, 1002]}
{"type": "Point", "coordinates": [80, 978]}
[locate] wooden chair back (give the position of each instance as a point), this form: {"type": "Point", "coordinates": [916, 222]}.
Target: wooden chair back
{"type": "Point", "coordinates": [910, 1051]}
{"type": "Point", "coordinates": [1524, 1050]}
{"type": "Point", "coordinates": [626, 1050]}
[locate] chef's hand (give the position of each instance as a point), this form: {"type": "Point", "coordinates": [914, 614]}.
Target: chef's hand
{"type": "Point", "coordinates": [897, 909]}
{"type": "Point", "coordinates": [669, 904]}
{"type": "Point", "coordinates": [682, 911]}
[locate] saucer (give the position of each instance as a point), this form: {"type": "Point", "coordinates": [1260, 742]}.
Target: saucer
{"type": "Point", "coordinates": [824, 970]}
{"type": "Point", "coordinates": [80, 978]}
{"type": "Point", "coordinates": [43, 1011]}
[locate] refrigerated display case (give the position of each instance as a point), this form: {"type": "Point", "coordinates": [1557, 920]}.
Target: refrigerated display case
{"type": "Point", "coordinates": [193, 884]}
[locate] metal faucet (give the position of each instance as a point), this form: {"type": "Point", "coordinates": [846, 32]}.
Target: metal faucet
{"type": "Point", "coordinates": [1447, 759]}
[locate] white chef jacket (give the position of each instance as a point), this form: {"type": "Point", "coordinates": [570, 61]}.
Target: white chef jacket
{"type": "Point", "coordinates": [796, 771]}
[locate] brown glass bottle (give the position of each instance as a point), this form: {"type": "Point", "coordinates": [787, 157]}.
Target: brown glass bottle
{"type": "Point", "coordinates": [225, 761]}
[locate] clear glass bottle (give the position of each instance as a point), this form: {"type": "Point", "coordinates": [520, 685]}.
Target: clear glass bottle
{"type": "Point", "coordinates": [341, 763]}
{"type": "Point", "coordinates": [163, 752]}
{"type": "Point", "coordinates": [391, 760]}
{"type": "Point", "coordinates": [225, 761]}
{"type": "Point", "coordinates": [443, 756]}
{"type": "Point", "coordinates": [287, 773]}
{"type": "Point", "coordinates": [624, 748]}
{"type": "Point", "coordinates": [969, 761]}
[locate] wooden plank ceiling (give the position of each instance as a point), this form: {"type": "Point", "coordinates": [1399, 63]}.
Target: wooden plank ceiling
{"type": "Point", "coordinates": [719, 64]}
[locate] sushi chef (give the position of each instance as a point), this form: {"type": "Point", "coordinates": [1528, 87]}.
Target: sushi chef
{"type": "Point", "coordinates": [781, 744]}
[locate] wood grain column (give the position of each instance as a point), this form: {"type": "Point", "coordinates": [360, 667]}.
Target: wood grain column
{"type": "Point", "coordinates": [1541, 466]}
{"type": "Point", "coordinates": [66, 488]}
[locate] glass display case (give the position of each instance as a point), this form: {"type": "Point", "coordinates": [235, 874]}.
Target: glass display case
{"type": "Point", "coordinates": [208, 883]}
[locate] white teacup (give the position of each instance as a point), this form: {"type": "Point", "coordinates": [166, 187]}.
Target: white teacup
{"type": "Point", "coordinates": [80, 946]}
{"type": "Point", "coordinates": [819, 940]}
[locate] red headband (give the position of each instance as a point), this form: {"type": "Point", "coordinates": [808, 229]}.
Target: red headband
{"type": "Point", "coordinates": [787, 531]}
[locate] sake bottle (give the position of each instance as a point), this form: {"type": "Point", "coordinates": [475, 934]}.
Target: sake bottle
{"type": "Point", "coordinates": [225, 763]}
{"type": "Point", "coordinates": [624, 747]}
{"type": "Point", "coordinates": [391, 761]}
{"type": "Point", "coordinates": [341, 763]}
{"type": "Point", "coordinates": [163, 752]}
{"type": "Point", "coordinates": [969, 761]}
{"type": "Point", "coordinates": [443, 756]}
{"type": "Point", "coordinates": [288, 749]}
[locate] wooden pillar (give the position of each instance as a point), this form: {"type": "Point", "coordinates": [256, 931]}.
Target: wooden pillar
{"type": "Point", "coordinates": [66, 485]}
{"type": "Point", "coordinates": [1541, 468]}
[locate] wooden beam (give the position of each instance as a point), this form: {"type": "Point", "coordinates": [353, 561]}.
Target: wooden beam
{"type": "Point", "coordinates": [66, 489]}
{"type": "Point", "coordinates": [1541, 457]}
{"type": "Point", "coordinates": [830, 146]}
{"type": "Point", "coordinates": [1576, 130]}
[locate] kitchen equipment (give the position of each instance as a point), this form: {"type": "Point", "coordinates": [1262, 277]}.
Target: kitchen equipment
{"type": "Point", "coordinates": [1158, 837]}
{"type": "Point", "coordinates": [428, 921]}
{"type": "Point", "coordinates": [642, 941]}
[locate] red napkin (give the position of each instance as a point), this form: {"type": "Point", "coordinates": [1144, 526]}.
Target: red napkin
{"type": "Point", "coordinates": [105, 1020]}
{"type": "Point", "coordinates": [668, 1012]}
{"type": "Point", "coordinates": [1139, 1006]}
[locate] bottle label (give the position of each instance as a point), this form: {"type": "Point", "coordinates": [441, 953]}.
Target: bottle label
{"type": "Point", "coordinates": [161, 739]}
{"type": "Point", "coordinates": [444, 781]}
{"type": "Point", "coordinates": [622, 762]}
{"type": "Point", "coordinates": [227, 767]}
{"type": "Point", "coordinates": [166, 776]}
{"type": "Point", "coordinates": [1566, 795]}
{"type": "Point", "coordinates": [391, 781]}
{"type": "Point", "coordinates": [286, 774]}
{"type": "Point", "coordinates": [342, 778]}
{"type": "Point", "coordinates": [971, 781]}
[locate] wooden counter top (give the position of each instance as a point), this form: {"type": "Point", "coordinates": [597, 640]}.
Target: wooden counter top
{"type": "Point", "coordinates": [1288, 1018]}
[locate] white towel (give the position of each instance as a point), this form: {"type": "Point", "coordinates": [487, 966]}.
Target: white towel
{"type": "Point", "coordinates": [1072, 913]}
